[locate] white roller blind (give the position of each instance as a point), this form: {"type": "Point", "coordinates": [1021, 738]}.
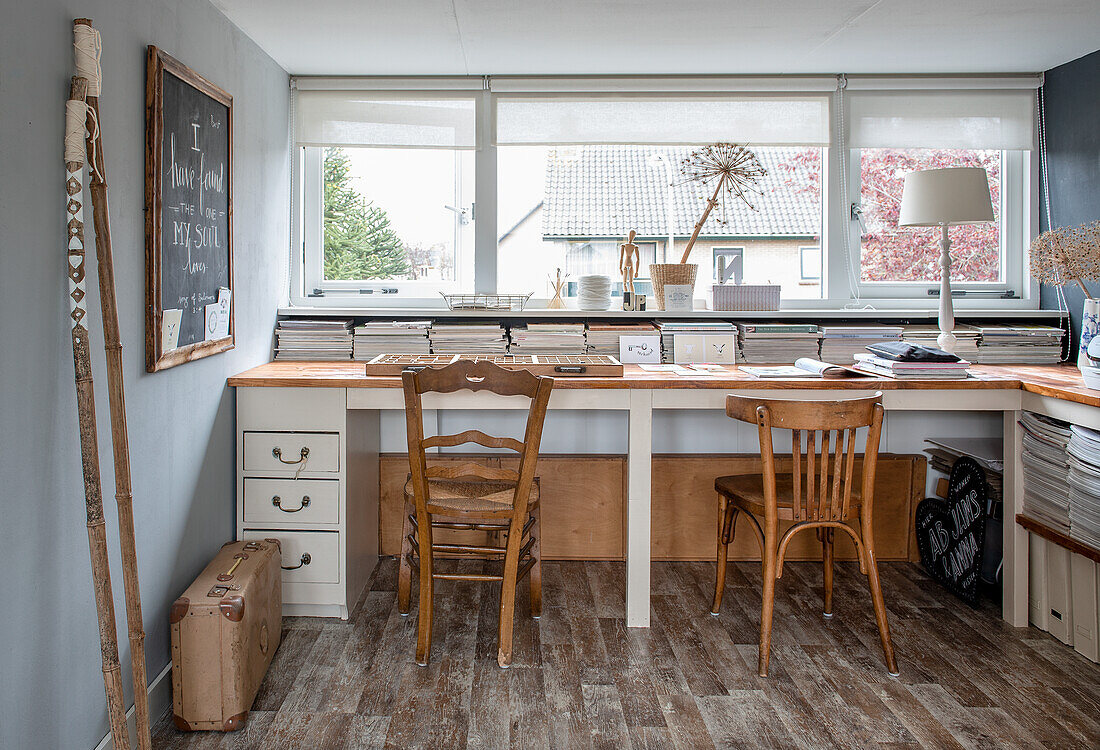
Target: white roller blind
{"type": "Point", "coordinates": [758, 120]}
{"type": "Point", "coordinates": [942, 119]}
{"type": "Point", "coordinates": [351, 118]}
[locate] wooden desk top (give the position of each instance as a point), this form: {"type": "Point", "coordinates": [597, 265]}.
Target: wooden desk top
{"type": "Point", "coordinates": [1058, 381]}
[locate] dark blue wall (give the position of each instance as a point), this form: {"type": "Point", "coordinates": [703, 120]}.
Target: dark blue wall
{"type": "Point", "coordinates": [1072, 97]}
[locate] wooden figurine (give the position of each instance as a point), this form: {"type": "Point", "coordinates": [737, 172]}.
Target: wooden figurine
{"type": "Point", "coordinates": [557, 303]}
{"type": "Point", "coordinates": [629, 261]}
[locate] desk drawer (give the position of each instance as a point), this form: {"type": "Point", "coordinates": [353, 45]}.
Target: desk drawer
{"type": "Point", "coordinates": [292, 451]}
{"type": "Point", "coordinates": [322, 548]}
{"type": "Point", "coordinates": [299, 501]}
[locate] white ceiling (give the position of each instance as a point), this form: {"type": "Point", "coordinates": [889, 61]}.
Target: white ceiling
{"type": "Point", "coordinates": [460, 37]}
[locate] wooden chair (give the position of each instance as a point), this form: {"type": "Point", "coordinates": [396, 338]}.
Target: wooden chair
{"type": "Point", "coordinates": [820, 493]}
{"type": "Point", "coordinates": [472, 497]}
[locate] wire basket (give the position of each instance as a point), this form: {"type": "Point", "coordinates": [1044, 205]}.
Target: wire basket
{"type": "Point", "coordinates": [512, 302]}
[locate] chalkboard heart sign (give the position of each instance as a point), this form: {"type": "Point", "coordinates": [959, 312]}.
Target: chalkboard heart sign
{"type": "Point", "coordinates": [950, 533]}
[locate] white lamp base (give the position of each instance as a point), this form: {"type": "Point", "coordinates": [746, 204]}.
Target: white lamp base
{"type": "Point", "coordinates": [946, 339]}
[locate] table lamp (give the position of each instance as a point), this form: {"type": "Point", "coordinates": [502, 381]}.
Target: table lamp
{"type": "Point", "coordinates": [943, 198]}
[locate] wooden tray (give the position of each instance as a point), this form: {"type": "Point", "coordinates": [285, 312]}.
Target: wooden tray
{"type": "Point", "coordinates": [557, 365]}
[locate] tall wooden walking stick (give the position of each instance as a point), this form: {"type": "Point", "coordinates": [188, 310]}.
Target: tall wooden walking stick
{"type": "Point", "coordinates": [75, 109]}
{"type": "Point", "coordinates": [87, 49]}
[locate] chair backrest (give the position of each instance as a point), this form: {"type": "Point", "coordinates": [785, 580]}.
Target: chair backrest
{"type": "Point", "coordinates": [823, 447]}
{"type": "Point", "coordinates": [475, 376]}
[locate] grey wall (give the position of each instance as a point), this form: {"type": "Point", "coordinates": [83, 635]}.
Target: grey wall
{"type": "Point", "coordinates": [181, 420]}
{"type": "Point", "coordinates": [1073, 148]}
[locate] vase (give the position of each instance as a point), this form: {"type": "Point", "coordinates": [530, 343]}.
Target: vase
{"type": "Point", "coordinates": [670, 273]}
{"type": "Point", "coordinates": [1090, 328]}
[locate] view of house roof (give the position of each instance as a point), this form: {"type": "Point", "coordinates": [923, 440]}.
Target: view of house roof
{"type": "Point", "coordinates": [605, 191]}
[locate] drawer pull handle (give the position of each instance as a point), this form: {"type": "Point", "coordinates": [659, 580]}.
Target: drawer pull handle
{"type": "Point", "coordinates": [277, 502]}
{"type": "Point", "coordinates": [278, 453]}
{"type": "Point", "coordinates": [306, 560]}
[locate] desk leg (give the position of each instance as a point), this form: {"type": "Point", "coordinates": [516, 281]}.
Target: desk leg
{"type": "Point", "coordinates": [639, 462]}
{"type": "Point", "coordinates": [1014, 572]}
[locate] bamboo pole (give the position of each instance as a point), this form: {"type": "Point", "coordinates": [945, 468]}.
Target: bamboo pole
{"type": "Point", "coordinates": [703, 220]}
{"type": "Point", "coordinates": [119, 434]}
{"type": "Point", "coordinates": [89, 447]}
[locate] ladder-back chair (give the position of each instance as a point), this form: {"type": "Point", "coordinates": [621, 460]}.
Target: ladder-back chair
{"type": "Point", "coordinates": [472, 497]}
{"type": "Point", "coordinates": [821, 492]}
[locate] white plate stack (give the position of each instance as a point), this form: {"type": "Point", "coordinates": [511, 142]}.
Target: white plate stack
{"type": "Point", "coordinates": [594, 292]}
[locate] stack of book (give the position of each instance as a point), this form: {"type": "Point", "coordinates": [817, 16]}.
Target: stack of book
{"type": "Point", "coordinates": [1084, 485]}
{"type": "Point", "coordinates": [670, 329]}
{"type": "Point", "coordinates": [765, 343]}
{"type": "Point", "coordinates": [841, 343]}
{"type": "Point", "coordinates": [603, 338]}
{"type": "Point", "coordinates": [1046, 469]}
{"type": "Point", "coordinates": [1020, 345]}
{"type": "Point", "coordinates": [966, 338]}
{"type": "Point", "coordinates": [988, 452]}
{"type": "Point", "coordinates": [313, 339]}
{"type": "Point", "coordinates": [892, 368]}
{"type": "Point", "coordinates": [468, 338]}
{"type": "Point", "coordinates": [548, 338]}
{"type": "Point", "coordinates": [391, 337]}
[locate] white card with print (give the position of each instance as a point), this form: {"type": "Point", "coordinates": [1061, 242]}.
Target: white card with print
{"type": "Point", "coordinates": [688, 348]}
{"type": "Point", "coordinates": [637, 350]}
{"type": "Point", "coordinates": [721, 348]}
{"type": "Point", "coordinates": [678, 297]}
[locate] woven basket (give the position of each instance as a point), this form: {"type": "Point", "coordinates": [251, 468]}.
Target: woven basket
{"type": "Point", "coordinates": [670, 273]}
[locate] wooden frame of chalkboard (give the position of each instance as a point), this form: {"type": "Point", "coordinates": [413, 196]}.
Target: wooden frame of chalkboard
{"type": "Point", "coordinates": [189, 251]}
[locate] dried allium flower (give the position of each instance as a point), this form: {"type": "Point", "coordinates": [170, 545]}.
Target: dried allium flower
{"type": "Point", "coordinates": [735, 165]}
{"type": "Point", "coordinates": [1067, 254]}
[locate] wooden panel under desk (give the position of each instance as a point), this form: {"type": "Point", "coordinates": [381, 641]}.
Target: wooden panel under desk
{"type": "Point", "coordinates": [584, 509]}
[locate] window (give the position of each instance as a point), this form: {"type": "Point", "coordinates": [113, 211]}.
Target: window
{"type": "Point", "coordinates": [810, 263]}
{"type": "Point", "coordinates": [405, 188]}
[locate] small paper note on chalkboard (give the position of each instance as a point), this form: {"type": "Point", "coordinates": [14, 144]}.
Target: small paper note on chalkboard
{"type": "Point", "coordinates": [170, 329]}
{"type": "Point", "coordinates": [217, 316]}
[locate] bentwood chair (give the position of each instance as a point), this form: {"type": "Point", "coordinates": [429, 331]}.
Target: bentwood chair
{"type": "Point", "coordinates": [471, 497]}
{"type": "Point", "coordinates": [821, 493]}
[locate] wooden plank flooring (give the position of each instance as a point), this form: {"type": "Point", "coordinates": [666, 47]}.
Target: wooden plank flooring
{"type": "Point", "coordinates": [581, 679]}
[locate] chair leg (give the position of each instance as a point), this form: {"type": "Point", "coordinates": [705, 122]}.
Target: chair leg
{"type": "Point", "coordinates": [827, 569]}
{"type": "Point", "coordinates": [767, 601]}
{"type": "Point", "coordinates": [508, 597]}
{"type": "Point", "coordinates": [879, 603]}
{"type": "Point", "coordinates": [404, 569]}
{"type": "Point", "coordinates": [726, 513]}
{"type": "Point", "coordinates": [427, 588]}
{"type": "Point", "coordinates": [536, 567]}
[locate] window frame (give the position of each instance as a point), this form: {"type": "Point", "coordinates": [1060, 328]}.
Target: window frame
{"type": "Point", "coordinates": [841, 287]}
{"type": "Point", "coordinates": [802, 277]}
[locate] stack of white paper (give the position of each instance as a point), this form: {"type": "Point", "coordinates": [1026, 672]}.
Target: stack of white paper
{"type": "Point", "coordinates": [1084, 485]}
{"type": "Point", "coordinates": [391, 337]}
{"type": "Point", "coordinates": [1046, 469]}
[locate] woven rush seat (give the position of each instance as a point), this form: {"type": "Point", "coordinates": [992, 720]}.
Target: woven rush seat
{"type": "Point", "coordinates": [749, 488]}
{"type": "Point", "coordinates": [471, 496]}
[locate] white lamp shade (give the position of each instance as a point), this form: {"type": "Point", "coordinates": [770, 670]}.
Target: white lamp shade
{"type": "Point", "coordinates": [935, 197]}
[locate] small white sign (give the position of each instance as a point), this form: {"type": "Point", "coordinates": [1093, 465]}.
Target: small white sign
{"type": "Point", "coordinates": [217, 316]}
{"type": "Point", "coordinates": [636, 350]}
{"type": "Point", "coordinates": [720, 348]}
{"type": "Point", "coordinates": [689, 347]}
{"type": "Point", "coordinates": [678, 297]}
{"type": "Point", "coordinates": [170, 329]}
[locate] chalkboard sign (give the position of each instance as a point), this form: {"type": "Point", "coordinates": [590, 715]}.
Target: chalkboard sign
{"type": "Point", "coordinates": [951, 532]}
{"type": "Point", "coordinates": [188, 215]}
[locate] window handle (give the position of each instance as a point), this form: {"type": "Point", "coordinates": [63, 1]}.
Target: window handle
{"type": "Point", "coordinates": [463, 214]}
{"type": "Point", "coordinates": [857, 215]}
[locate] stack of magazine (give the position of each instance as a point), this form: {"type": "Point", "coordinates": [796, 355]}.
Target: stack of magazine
{"type": "Point", "coordinates": [1084, 485]}
{"type": "Point", "coordinates": [313, 339]}
{"type": "Point", "coordinates": [841, 343]}
{"type": "Point", "coordinates": [966, 338]}
{"type": "Point", "coordinates": [1020, 345]}
{"type": "Point", "coordinates": [1046, 470]}
{"type": "Point", "coordinates": [603, 338]}
{"type": "Point", "coordinates": [391, 337]}
{"type": "Point", "coordinates": [763, 343]}
{"type": "Point", "coordinates": [670, 329]}
{"type": "Point", "coordinates": [874, 365]}
{"type": "Point", "coordinates": [548, 338]}
{"type": "Point", "coordinates": [468, 338]}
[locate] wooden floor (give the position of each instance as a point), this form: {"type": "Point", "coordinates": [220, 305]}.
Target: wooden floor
{"type": "Point", "coordinates": [581, 679]}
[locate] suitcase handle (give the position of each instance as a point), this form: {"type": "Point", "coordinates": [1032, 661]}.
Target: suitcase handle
{"type": "Point", "coordinates": [277, 502]}
{"type": "Point", "coordinates": [306, 560]}
{"type": "Point", "coordinates": [278, 453]}
{"type": "Point", "coordinates": [237, 560]}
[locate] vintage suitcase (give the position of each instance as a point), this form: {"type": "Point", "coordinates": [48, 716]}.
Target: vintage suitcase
{"type": "Point", "coordinates": [225, 629]}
